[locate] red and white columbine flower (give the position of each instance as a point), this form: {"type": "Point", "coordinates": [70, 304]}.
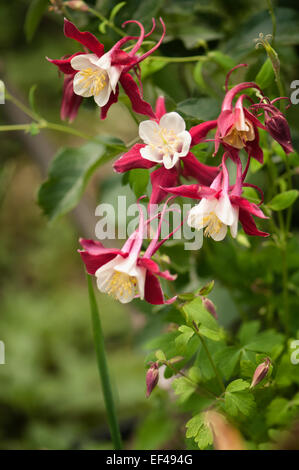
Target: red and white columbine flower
{"type": "Point", "coordinates": [167, 143]}
{"type": "Point", "coordinates": [98, 74]}
{"type": "Point", "coordinates": [221, 206]}
{"type": "Point", "coordinates": [237, 127]}
{"type": "Point", "coordinates": [124, 273]}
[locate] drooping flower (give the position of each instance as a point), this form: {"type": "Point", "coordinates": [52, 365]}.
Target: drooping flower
{"type": "Point", "coordinates": [221, 206]}
{"type": "Point", "coordinates": [124, 273]}
{"type": "Point", "coordinates": [167, 143]}
{"type": "Point", "coordinates": [276, 124]}
{"type": "Point", "coordinates": [237, 127]}
{"type": "Point", "coordinates": [98, 74]}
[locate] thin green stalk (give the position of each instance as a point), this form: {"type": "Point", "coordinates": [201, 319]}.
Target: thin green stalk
{"type": "Point", "coordinates": [273, 19]}
{"type": "Point", "coordinates": [108, 22]}
{"type": "Point", "coordinates": [218, 376]}
{"type": "Point", "coordinates": [194, 58]}
{"type": "Point", "coordinates": [103, 368]}
{"type": "Point", "coordinates": [44, 125]}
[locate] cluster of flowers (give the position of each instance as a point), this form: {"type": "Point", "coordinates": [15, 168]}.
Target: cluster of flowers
{"type": "Point", "coordinates": [126, 273]}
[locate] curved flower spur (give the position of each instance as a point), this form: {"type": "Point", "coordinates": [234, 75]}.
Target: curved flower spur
{"type": "Point", "coordinates": [125, 273]}
{"type": "Point", "coordinates": [167, 143]}
{"type": "Point", "coordinates": [98, 74]}
{"type": "Point", "coordinates": [221, 206]}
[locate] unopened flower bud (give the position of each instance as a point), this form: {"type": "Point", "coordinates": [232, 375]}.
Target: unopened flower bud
{"type": "Point", "coordinates": [77, 5]}
{"type": "Point", "coordinates": [152, 377]}
{"type": "Point", "coordinates": [210, 307]}
{"type": "Point", "coordinates": [260, 372]}
{"type": "Point", "coordinates": [278, 128]}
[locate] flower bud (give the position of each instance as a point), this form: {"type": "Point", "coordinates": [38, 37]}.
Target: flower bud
{"type": "Point", "coordinates": [278, 128]}
{"type": "Point", "coordinates": [77, 5]}
{"type": "Point", "coordinates": [210, 307]}
{"type": "Point", "coordinates": [152, 377]}
{"type": "Point", "coordinates": [260, 372]}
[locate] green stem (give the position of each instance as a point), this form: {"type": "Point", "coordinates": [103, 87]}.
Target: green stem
{"type": "Point", "coordinates": [45, 125]}
{"type": "Point", "coordinates": [194, 58]}
{"type": "Point", "coordinates": [273, 19]}
{"type": "Point", "coordinates": [108, 22]}
{"type": "Point", "coordinates": [103, 368]}
{"type": "Point", "coordinates": [218, 376]}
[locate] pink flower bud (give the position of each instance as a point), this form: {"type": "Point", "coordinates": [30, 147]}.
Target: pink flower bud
{"type": "Point", "coordinates": [278, 128]}
{"type": "Point", "coordinates": [152, 377]}
{"type": "Point", "coordinates": [210, 307]}
{"type": "Point", "coordinates": [260, 372]}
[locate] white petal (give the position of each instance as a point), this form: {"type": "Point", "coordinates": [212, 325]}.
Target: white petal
{"type": "Point", "coordinates": [83, 61]}
{"type": "Point", "coordinates": [102, 98]}
{"type": "Point", "coordinates": [168, 161]}
{"type": "Point", "coordinates": [240, 123]}
{"type": "Point", "coordinates": [151, 154]}
{"type": "Point", "coordinates": [79, 86]}
{"type": "Point", "coordinates": [185, 137]}
{"type": "Point", "coordinates": [220, 235]}
{"type": "Point", "coordinates": [173, 122]}
{"type": "Point", "coordinates": [149, 132]}
{"type": "Point", "coordinates": [234, 226]}
{"type": "Point", "coordinates": [224, 210]}
{"type": "Point", "coordinates": [114, 74]}
{"type": "Point", "coordinates": [104, 62]}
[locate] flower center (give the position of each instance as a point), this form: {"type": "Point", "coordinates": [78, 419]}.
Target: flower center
{"type": "Point", "coordinates": [213, 224]}
{"type": "Point", "coordinates": [169, 143]}
{"type": "Point", "coordinates": [95, 80]}
{"type": "Point", "coordinates": [121, 286]}
{"type": "Point", "coordinates": [238, 138]}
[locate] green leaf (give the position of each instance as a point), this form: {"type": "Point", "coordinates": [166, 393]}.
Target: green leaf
{"type": "Point", "coordinates": [31, 98]}
{"type": "Point", "coordinates": [265, 341]}
{"type": "Point", "coordinates": [33, 17]}
{"type": "Point", "coordinates": [138, 181]}
{"type": "Point", "coordinates": [227, 359]}
{"type": "Point", "coordinates": [238, 399]}
{"type": "Point", "coordinates": [203, 109]}
{"type": "Point", "coordinates": [183, 339]}
{"type": "Point", "coordinates": [198, 429]}
{"type": "Point", "coordinates": [116, 9]}
{"type": "Point", "coordinates": [205, 290]}
{"type": "Point", "coordinates": [184, 388]}
{"type": "Point", "coordinates": [149, 67]}
{"type": "Point", "coordinates": [265, 77]}
{"type": "Point", "coordinates": [200, 80]}
{"type": "Point", "coordinates": [248, 331]}
{"type": "Point", "coordinates": [70, 171]}
{"type": "Point", "coordinates": [196, 312]}
{"type": "Point", "coordinates": [223, 60]}
{"type": "Point", "coordinates": [283, 200]}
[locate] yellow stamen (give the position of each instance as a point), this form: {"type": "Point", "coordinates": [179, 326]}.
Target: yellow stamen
{"type": "Point", "coordinates": [170, 143]}
{"type": "Point", "coordinates": [237, 138]}
{"type": "Point", "coordinates": [121, 285]}
{"type": "Point", "coordinates": [96, 80]}
{"type": "Point", "coordinates": [213, 224]}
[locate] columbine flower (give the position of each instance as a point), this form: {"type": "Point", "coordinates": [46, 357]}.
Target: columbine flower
{"type": "Point", "coordinates": [125, 274]}
{"type": "Point", "coordinates": [221, 206]}
{"type": "Point", "coordinates": [167, 143]}
{"type": "Point", "coordinates": [237, 127]}
{"type": "Point", "coordinates": [98, 74]}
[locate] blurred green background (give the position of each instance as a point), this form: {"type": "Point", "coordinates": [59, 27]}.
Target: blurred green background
{"type": "Point", "coordinates": [49, 387]}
